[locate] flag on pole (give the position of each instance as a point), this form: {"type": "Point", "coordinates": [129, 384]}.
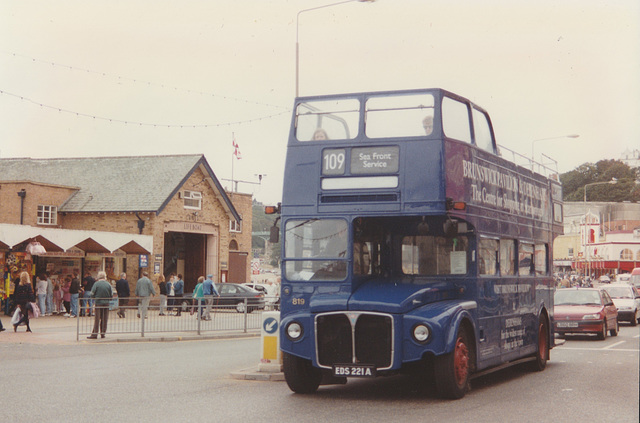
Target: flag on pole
{"type": "Point", "coordinates": [236, 149]}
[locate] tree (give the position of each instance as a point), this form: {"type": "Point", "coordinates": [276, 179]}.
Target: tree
{"type": "Point", "coordinates": [626, 188]}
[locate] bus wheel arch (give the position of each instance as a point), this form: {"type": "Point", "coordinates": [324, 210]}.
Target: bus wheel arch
{"type": "Point", "coordinates": [453, 370]}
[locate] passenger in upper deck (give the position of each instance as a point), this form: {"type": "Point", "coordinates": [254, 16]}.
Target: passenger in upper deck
{"type": "Point", "coordinates": [427, 124]}
{"type": "Point", "coordinates": [320, 135]}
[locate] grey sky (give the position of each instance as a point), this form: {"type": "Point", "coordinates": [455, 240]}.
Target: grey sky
{"type": "Point", "coordinates": [541, 68]}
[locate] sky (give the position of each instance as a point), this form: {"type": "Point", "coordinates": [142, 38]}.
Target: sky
{"type": "Point", "coordinates": [159, 77]}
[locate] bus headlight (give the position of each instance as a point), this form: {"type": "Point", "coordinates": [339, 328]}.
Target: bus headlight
{"type": "Point", "coordinates": [421, 333]}
{"type": "Point", "coordinates": [294, 331]}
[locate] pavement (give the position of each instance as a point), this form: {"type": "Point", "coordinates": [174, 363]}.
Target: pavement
{"type": "Point", "coordinates": [62, 330]}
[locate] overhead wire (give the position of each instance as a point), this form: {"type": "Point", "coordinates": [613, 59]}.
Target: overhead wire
{"type": "Point", "coordinates": [147, 83]}
{"type": "Point", "coordinates": [130, 122]}
{"type": "Point", "coordinates": [141, 81]}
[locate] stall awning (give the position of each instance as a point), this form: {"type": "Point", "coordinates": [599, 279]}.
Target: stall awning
{"type": "Point", "coordinates": [56, 240]}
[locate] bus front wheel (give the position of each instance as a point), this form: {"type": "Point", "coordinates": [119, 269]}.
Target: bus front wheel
{"type": "Point", "coordinates": [300, 375]}
{"type": "Point", "coordinates": [453, 370]}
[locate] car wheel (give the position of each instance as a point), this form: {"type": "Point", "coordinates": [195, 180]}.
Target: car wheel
{"type": "Point", "coordinates": [635, 319]}
{"type": "Point", "coordinates": [453, 370]}
{"type": "Point", "coordinates": [240, 307]}
{"type": "Point", "coordinates": [300, 375]}
{"type": "Point", "coordinates": [602, 335]}
{"type": "Point", "coordinates": [542, 352]}
{"type": "Point", "coordinates": [615, 330]}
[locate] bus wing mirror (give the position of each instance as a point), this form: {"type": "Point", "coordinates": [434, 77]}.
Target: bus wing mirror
{"type": "Point", "coordinates": [274, 234]}
{"type": "Point", "coordinates": [450, 227]}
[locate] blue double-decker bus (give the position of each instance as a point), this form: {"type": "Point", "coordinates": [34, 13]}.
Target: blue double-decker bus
{"type": "Point", "coordinates": [410, 244]}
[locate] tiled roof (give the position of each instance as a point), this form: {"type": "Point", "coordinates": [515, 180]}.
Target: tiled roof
{"type": "Point", "coordinates": [108, 184]}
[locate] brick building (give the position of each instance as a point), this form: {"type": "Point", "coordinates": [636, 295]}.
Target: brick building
{"type": "Point", "coordinates": [162, 214]}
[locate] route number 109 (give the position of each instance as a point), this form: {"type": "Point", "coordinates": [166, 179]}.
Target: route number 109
{"type": "Point", "coordinates": [333, 161]}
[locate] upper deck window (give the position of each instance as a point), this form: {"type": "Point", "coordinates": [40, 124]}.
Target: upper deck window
{"type": "Point", "coordinates": [327, 120]}
{"type": "Point", "coordinates": [455, 120]}
{"type": "Point", "coordinates": [399, 116]}
{"type": "Point", "coordinates": [484, 140]}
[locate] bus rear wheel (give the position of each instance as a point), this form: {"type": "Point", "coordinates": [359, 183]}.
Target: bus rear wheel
{"type": "Point", "coordinates": [453, 370]}
{"type": "Point", "coordinates": [300, 375]}
{"type": "Point", "coordinates": [542, 352]}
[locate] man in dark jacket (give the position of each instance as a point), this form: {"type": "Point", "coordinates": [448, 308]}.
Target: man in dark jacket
{"type": "Point", "coordinates": [74, 290]}
{"type": "Point", "coordinates": [87, 302]}
{"type": "Point", "coordinates": [122, 287]}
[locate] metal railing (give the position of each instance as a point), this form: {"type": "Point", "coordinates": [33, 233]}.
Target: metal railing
{"type": "Point", "coordinates": [186, 316]}
{"type": "Point", "coordinates": [548, 168]}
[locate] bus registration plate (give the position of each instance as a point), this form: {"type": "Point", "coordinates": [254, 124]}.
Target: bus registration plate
{"type": "Point", "coordinates": [354, 370]}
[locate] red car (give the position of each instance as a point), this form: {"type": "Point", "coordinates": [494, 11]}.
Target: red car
{"type": "Point", "coordinates": [585, 310]}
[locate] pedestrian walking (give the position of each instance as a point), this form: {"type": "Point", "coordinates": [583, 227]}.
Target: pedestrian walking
{"type": "Point", "coordinates": [144, 290]}
{"type": "Point", "coordinates": [101, 292]}
{"type": "Point", "coordinates": [23, 296]}
{"type": "Point", "coordinates": [198, 297]}
{"type": "Point", "coordinates": [209, 291]}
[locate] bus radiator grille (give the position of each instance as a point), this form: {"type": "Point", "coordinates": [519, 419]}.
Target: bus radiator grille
{"type": "Point", "coordinates": [371, 339]}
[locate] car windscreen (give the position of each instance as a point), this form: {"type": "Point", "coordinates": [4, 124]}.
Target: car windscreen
{"type": "Point", "coordinates": [620, 292]}
{"type": "Point", "coordinates": [577, 297]}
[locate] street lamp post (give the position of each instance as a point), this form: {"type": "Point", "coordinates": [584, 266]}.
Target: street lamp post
{"type": "Point", "coordinates": [533, 143]}
{"type": "Point", "coordinates": [297, 31]}
{"type": "Point", "coordinates": [586, 238]}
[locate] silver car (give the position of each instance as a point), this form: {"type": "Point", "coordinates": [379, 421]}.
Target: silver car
{"type": "Point", "coordinates": [627, 300]}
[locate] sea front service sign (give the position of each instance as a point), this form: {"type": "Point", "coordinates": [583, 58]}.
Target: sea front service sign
{"type": "Point", "coordinates": [374, 160]}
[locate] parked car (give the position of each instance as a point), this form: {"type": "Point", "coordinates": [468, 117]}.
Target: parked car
{"type": "Point", "coordinates": [627, 300]}
{"type": "Point", "coordinates": [234, 294]}
{"type": "Point", "coordinates": [271, 293]}
{"type": "Point", "coordinates": [231, 294]}
{"type": "Point", "coordinates": [585, 310]}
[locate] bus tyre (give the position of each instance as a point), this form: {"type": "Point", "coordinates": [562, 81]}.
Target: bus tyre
{"type": "Point", "coordinates": [542, 352]}
{"type": "Point", "coordinates": [615, 330]}
{"type": "Point", "coordinates": [300, 375]}
{"type": "Point", "coordinates": [453, 370]}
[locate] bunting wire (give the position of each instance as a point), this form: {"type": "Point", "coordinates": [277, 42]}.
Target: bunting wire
{"type": "Point", "coordinates": [127, 122]}
{"type": "Point", "coordinates": [139, 81]}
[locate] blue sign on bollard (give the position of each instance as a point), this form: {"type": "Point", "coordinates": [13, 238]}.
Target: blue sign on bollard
{"type": "Point", "coordinates": [270, 325]}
